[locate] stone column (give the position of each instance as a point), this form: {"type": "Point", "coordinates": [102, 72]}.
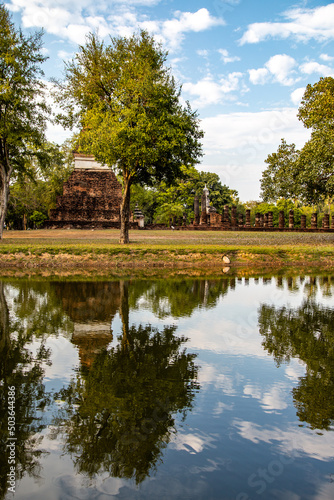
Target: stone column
{"type": "Point", "coordinates": [314, 221]}
{"type": "Point", "coordinates": [248, 224]}
{"type": "Point", "coordinates": [325, 221]}
{"type": "Point", "coordinates": [332, 223]}
{"type": "Point", "coordinates": [261, 220]}
{"type": "Point", "coordinates": [196, 211]}
{"type": "Point", "coordinates": [291, 219]}
{"type": "Point", "coordinates": [203, 219]}
{"type": "Point", "coordinates": [257, 220]}
{"type": "Point", "coordinates": [265, 220]}
{"type": "Point", "coordinates": [281, 223]}
{"type": "Point", "coordinates": [226, 222]}
{"type": "Point", "coordinates": [303, 222]}
{"type": "Point", "coordinates": [241, 221]}
{"type": "Point", "coordinates": [270, 219]}
{"type": "Point", "coordinates": [234, 216]}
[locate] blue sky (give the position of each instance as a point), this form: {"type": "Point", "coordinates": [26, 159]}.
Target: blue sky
{"type": "Point", "coordinates": [243, 65]}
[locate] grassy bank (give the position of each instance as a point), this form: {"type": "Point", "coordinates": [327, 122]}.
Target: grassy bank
{"type": "Point", "coordinates": [165, 249]}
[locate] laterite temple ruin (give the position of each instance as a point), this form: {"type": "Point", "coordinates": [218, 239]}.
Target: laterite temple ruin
{"type": "Point", "coordinates": [91, 197]}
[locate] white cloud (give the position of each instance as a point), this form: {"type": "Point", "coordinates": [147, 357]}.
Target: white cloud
{"type": "Point", "coordinates": [203, 52]}
{"type": "Point", "coordinates": [209, 91]}
{"type": "Point", "coordinates": [226, 58]}
{"type": "Point", "coordinates": [314, 67]}
{"type": "Point", "coordinates": [231, 83]}
{"type": "Point", "coordinates": [51, 19]}
{"type": "Point", "coordinates": [280, 67]}
{"type": "Point", "coordinates": [301, 24]}
{"type": "Point", "coordinates": [326, 57]}
{"type": "Point", "coordinates": [242, 141]}
{"type": "Point", "coordinates": [259, 76]}
{"type": "Point", "coordinates": [297, 95]}
{"type": "Point", "coordinates": [250, 133]}
{"type": "Point", "coordinates": [277, 69]}
{"type": "Point", "coordinates": [173, 30]}
{"type": "Point", "coordinates": [65, 56]}
{"type": "Point", "coordinates": [74, 20]}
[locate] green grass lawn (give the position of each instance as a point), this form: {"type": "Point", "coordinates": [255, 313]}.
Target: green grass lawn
{"type": "Point", "coordinates": [165, 248]}
{"type": "Point", "coordinates": [107, 237]}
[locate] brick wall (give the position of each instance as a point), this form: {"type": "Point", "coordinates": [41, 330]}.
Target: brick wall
{"type": "Point", "coordinates": [89, 197]}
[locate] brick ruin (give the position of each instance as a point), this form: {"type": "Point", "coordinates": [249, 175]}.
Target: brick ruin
{"type": "Point", "coordinates": [91, 197]}
{"type": "Point", "coordinates": [207, 218]}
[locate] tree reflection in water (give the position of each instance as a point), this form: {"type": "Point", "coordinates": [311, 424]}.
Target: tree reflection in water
{"type": "Point", "coordinates": [306, 333]}
{"type": "Point", "coordinates": [22, 369]}
{"type": "Point", "coordinates": [120, 414]}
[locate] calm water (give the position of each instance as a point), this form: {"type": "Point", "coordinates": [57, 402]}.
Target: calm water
{"type": "Point", "coordinates": [169, 389]}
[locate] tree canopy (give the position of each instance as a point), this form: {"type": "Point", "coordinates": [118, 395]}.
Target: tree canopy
{"type": "Point", "coordinates": [316, 109]}
{"type": "Point", "coordinates": [126, 105]}
{"type": "Point", "coordinates": [23, 111]}
{"type": "Point", "coordinates": [278, 179]}
{"type": "Point", "coordinates": [308, 174]}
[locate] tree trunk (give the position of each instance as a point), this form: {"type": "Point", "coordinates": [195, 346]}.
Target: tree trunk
{"type": "Point", "coordinates": [125, 211]}
{"type": "Point", "coordinates": [124, 312]}
{"type": "Point", "coordinates": [4, 330]}
{"type": "Point", "coordinates": [4, 193]}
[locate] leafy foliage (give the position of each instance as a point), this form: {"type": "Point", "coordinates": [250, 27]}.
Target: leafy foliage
{"type": "Point", "coordinates": [315, 167]}
{"type": "Point", "coordinates": [167, 201]}
{"type": "Point", "coordinates": [23, 111]}
{"type": "Point", "coordinates": [126, 104]}
{"type": "Point", "coordinates": [36, 189]}
{"type": "Point", "coordinates": [278, 179]}
{"type": "Point", "coordinates": [316, 109]}
{"type": "Point", "coordinates": [308, 174]}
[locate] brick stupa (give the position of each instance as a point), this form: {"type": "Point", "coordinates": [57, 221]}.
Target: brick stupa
{"type": "Point", "coordinates": [91, 197]}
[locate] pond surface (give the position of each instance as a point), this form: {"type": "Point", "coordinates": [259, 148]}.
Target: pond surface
{"type": "Point", "coordinates": [214, 389]}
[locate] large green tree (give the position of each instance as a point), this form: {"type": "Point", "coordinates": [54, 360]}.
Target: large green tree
{"type": "Point", "coordinates": [308, 174]}
{"type": "Point", "coordinates": [315, 167]}
{"type": "Point", "coordinates": [126, 103]}
{"type": "Point", "coordinates": [316, 109]}
{"type": "Point", "coordinates": [316, 162]}
{"type": "Point", "coordinates": [279, 178]}
{"type": "Point", "coordinates": [23, 111]}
